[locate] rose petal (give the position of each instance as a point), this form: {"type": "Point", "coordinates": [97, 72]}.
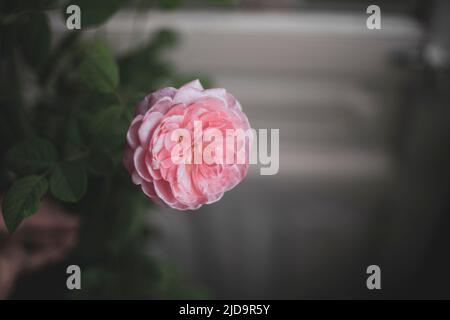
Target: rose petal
{"type": "Point", "coordinates": [212, 102]}
{"type": "Point", "coordinates": [154, 173]}
{"type": "Point", "coordinates": [143, 106]}
{"type": "Point", "coordinates": [149, 189]}
{"type": "Point", "coordinates": [162, 105]}
{"type": "Point", "coordinates": [139, 163]}
{"type": "Point", "coordinates": [193, 84]}
{"type": "Point", "coordinates": [163, 190]}
{"type": "Point", "coordinates": [127, 159]}
{"type": "Point", "coordinates": [132, 134]}
{"type": "Point", "coordinates": [150, 121]}
{"type": "Point", "coordinates": [136, 178]}
{"type": "Point", "coordinates": [161, 93]}
{"type": "Point", "coordinates": [187, 95]}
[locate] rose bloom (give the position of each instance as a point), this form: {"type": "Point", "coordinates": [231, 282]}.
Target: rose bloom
{"type": "Point", "coordinates": [152, 137]}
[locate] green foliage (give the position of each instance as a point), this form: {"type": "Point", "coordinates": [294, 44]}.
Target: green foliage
{"type": "Point", "coordinates": [22, 200]}
{"type": "Point", "coordinates": [32, 154]}
{"type": "Point", "coordinates": [103, 134]}
{"type": "Point", "coordinates": [64, 113]}
{"type": "Point", "coordinates": [68, 182]}
{"type": "Point", "coordinates": [99, 70]}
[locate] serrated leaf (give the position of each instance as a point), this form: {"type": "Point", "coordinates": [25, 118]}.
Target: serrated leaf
{"type": "Point", "coordinates": [99, 70]}
{"type": "Point", "coordinates": [22, 200]}
{"type": "Point", "coordinates": [33, 154]}
{"type": "Point", "coordinates": [68, 182]}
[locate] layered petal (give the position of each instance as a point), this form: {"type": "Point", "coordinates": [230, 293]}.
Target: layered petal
{"type": "Point", "coordinates": [152, 143]}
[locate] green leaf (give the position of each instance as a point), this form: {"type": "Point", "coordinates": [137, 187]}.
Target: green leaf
{"type": "Point", "coordinates": [22, 200]}
{"type": "Point", "coordinates": [68, 182]}
{"type": "Point", "coordinates": [99, 70]}
{"type": "Point", "coordinates": [106, 118]}
{"type": "Point", "coordinates": [94, 13]}
{"type": "Point", "coordinates": [109, 126]}
{"type": "Point", "coordinates": [35, 38]}
{"type": "Point", "coordinates": [33, 154]}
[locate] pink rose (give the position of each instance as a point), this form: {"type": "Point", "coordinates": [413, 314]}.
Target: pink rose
{"type": "Point", "coordinates": [165, 163]}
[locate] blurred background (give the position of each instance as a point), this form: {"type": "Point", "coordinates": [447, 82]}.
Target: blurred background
{"type": "Point", "coordinates": [364, 150]}
{"type": "Point", "coordinates": [364, 146]}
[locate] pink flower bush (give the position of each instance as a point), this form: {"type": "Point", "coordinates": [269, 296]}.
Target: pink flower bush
{"type": "Point", "coordinates": [151, 139]}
